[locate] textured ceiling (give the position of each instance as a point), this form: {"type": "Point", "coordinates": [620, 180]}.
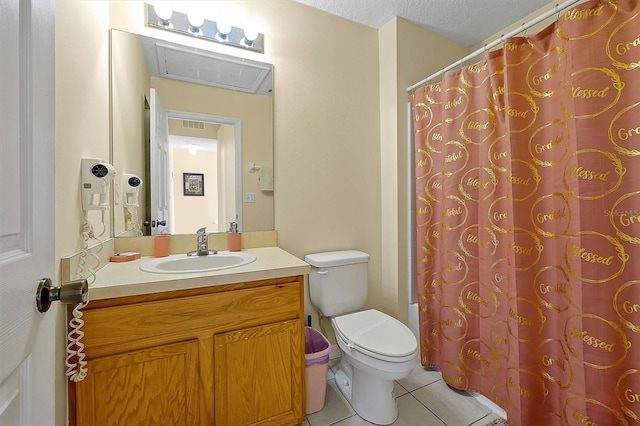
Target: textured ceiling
{"type": "Point", "coordinates": [467, 22]}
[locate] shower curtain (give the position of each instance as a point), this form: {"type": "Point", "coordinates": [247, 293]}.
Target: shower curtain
{"type": "Point", "coordinates": [528, 221]}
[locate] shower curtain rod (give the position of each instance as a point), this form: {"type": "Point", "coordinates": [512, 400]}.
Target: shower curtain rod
{"type": "Point", "coordinates": [487, 47]}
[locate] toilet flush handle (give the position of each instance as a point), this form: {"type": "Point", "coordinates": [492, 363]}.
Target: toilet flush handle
{"type": "Point", "coordinates": [323, 272]}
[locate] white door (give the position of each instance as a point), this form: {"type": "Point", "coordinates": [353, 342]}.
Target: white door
{"type": "Point", "coordinates": [159, 166]}
{"type": "Point", "coordinates": [27, 148]}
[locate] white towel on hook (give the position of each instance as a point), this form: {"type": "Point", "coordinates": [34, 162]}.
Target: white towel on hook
{"type": "Point", "coordinates": [266, 178]}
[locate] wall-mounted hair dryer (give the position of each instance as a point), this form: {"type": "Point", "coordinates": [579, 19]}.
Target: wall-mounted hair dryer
{"type": "Point", "coordinates": [96, 176]}
{"type": "Point", "coordinates": [132, 185]}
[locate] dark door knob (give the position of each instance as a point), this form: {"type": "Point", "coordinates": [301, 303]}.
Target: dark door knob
{"type": "Point", "coordinates": [71, 292]}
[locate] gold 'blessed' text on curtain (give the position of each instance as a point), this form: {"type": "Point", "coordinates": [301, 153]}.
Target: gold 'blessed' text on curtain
{"type": "Point", "coordinates": [528, 221]}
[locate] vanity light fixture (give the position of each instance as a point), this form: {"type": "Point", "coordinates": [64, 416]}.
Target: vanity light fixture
{"type": "Point", "coordinates": [160, 16]}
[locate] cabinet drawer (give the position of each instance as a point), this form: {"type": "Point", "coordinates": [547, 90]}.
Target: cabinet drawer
{"type": "Point", "coordinates": [119, 329]}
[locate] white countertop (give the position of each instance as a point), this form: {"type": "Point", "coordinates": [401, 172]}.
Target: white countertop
{"type": "Point", "coordinates": [126, 278]}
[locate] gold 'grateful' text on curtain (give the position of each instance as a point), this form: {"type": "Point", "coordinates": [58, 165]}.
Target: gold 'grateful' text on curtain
{"type": "Point", "coordinates": [528, 221]}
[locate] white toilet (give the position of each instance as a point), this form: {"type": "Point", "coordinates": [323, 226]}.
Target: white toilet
{"type": "Point", "coordinates": [376, 348]}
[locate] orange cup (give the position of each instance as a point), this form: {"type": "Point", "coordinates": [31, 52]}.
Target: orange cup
{"type": "Point", "coordinates": [161, 245]}
{"type": "Point", "coordinates": [234, 241]}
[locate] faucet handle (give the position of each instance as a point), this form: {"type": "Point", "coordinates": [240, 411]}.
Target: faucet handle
{"type": "Point", "coordinates": [202, 230]}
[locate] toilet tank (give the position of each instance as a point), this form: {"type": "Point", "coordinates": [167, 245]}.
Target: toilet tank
{"type": "Point", "coordinates": [338, 282]}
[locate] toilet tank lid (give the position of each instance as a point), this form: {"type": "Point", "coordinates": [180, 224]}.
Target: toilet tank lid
{"type": "Point", "coordinates": [336, 258]}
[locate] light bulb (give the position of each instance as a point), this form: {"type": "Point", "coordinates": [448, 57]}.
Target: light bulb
{"type": "Point", "coordinates": [164, 13]}
{"type": "Point", "coordinates": [223, 28]}
{"type": "Point", "coordinates": [251, 34]}
{"type": "Point", "coordinates": [195, 21]}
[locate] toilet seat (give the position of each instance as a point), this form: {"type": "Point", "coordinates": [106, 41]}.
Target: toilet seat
{"type": "Point", "coordinates": [376, 334]}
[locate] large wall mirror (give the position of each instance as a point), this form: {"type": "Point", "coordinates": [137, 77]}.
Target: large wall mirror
{"type": "Point", "coordinates": [192, 138]}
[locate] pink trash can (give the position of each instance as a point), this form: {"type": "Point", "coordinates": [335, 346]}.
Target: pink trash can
{"type": "Point", "coordinates": [316, 357]}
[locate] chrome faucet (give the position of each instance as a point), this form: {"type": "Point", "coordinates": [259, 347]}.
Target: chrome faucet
{"type": "Point", "coordinates": [203, 245]}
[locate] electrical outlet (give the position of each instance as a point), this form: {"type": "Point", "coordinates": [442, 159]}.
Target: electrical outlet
{"type": "Point", "coordinates": [249, 197]}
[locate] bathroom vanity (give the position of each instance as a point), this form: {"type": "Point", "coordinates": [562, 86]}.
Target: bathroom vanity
{"type": "Point", "coordinates": [223, 347]}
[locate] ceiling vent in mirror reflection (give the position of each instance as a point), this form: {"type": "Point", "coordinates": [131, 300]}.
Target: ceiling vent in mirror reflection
{"type": "Point", "coordinates": [191, 124]}
{"type": "Point", "coordinates": [180, 62]}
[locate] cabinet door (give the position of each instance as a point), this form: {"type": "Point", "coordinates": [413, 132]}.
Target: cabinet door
{"type": "Point", "coordinates": [259, 375]}
{"type": "Point", "coordinates": [156, 386]}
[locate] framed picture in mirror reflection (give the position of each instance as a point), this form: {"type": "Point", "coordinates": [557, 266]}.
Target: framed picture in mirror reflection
{"type": "Point", "coordinates": [193, 184]}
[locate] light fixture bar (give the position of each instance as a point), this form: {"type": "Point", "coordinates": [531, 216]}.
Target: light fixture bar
{"type": "Point", "coordinates": [179, 23]}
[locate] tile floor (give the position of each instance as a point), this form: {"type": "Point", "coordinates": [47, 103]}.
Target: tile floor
{"type": "Point", "coordinates": [423, 399]}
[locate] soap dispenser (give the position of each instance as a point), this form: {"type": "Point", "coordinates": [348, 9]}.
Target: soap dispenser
{"type": "Point", "coordinates": [234, 238]}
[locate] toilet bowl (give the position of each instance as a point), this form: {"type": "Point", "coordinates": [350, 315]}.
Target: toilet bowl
{"type": "Point", "coordinates": [376, 348]}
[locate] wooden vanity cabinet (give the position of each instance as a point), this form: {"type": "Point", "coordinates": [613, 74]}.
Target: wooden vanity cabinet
{"type": "Point", "coordinates": [222, 355]}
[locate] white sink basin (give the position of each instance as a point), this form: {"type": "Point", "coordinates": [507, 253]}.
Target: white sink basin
{"type": "Point", "coordinates": [182, 264]}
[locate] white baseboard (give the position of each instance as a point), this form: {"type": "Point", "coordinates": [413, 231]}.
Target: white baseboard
{"type": "Point", "coordinates": [489, 403]}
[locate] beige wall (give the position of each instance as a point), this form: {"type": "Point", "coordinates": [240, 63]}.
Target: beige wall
{"type": "Point", "coordinates": [408, 53]}
{"type": "Point", "coordinates": [130, 85]}
{"type": "Point", "coordinates": [82, 130]}
{"type": "Point", "coordinates": [327, 150]}
{"type": "Point", "coordinates": [192, 210]}
{"type": "Point", "coordinates": [226, 183]}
